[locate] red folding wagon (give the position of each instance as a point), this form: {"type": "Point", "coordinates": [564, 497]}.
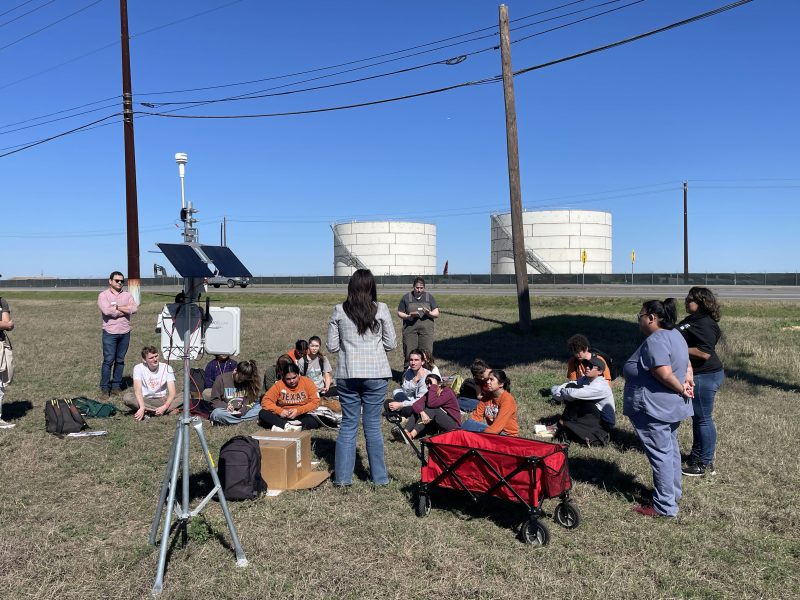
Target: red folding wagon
{"type": "Point", "coordinates": [516, 469]}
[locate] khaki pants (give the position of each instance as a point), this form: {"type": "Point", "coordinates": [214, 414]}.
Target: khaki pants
{"type": "Point", "coordinates": [150, 404]}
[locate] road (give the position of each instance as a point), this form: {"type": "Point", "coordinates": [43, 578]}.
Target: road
{"type": "Point", "coordinates": [787, 293]}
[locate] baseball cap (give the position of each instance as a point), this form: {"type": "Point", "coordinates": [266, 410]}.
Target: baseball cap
{"type": "Point", "coordinates": [594, 361]}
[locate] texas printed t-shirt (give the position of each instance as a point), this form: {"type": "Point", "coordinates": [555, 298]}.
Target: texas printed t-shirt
{"type": "Point", "coordinates": [154, 383]}
{"type": "Point", "coordinates": [304, 397]}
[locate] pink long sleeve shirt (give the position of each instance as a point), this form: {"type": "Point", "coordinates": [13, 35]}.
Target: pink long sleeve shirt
{"type": "Point", "coordinates": [115, 321]}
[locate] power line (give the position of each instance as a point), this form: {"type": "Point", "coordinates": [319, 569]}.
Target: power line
{"type": "Point", "coordinates": [12, 9]}
{"type": "Point", "coordinates": [25, 14]}
{"type": "Point", "coordinates": [56, 22]}
{"type": "Point", "coordinates": [85, 112]}
{"type": "Point", "coordinates": [492, 79]}
{"type": "Point", "coordinates": [259, 94]}
{"type": "Point", "coordinates": [56, 136]}
{"type": "Point", "coordinates": [58, 112]}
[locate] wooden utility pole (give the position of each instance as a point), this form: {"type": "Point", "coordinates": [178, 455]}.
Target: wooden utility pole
{"type": "Point", "coordinates": [131, 200]}
{"type": "Point", "coordinates": [512, 147]}
{"type": "Point", "coordinates": [685, 229]}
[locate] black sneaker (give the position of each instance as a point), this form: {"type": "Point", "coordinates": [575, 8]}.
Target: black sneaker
{"type": "Point", "coordinates": [696, 469]}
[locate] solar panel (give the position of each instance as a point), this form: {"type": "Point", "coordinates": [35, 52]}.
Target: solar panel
{"type": "Point", "coordinates": [225, 261]}
{"type": "Point", "coordinates": [186, 260]}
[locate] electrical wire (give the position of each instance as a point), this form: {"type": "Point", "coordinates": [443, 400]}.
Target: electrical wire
{"type": "Point", "coordinates": [25, 14]}
{"type": "Point", "coordinates": [486, 80]}
{"type": "Point", "coordinates": [12, 9]}
{"type": "Point", "coordinates": [56, 22]}
{"type": "Point", "coordinates": [85, 112]}
{"type": "Point", "coordinates": [58, 112]}
{"type": "Point", "coordinates": [56, 136]}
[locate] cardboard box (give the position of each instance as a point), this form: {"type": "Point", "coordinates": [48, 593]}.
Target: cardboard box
{"type": "Point", "coordinates": [286, 460]}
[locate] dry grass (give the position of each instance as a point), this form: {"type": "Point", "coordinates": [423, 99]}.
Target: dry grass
{"type": "Point", "coordinates": [75, 514]}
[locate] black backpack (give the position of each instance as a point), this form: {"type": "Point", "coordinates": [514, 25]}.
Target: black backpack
{"type": "Point", "coordinates": [609, 362]}
{"type": "Point", "coordinates": [61, 416]}
{"type": "Point", "coordinates": [240, 469]}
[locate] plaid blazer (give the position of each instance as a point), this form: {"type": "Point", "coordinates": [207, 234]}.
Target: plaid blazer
{"type": "Point", "coordinates": [361, 356]}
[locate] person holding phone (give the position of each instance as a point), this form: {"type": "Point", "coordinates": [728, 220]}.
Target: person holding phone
{"type": "Point", "coordinates": [234, 395]}
{"type": "Point", "coordinates": [418, 309]}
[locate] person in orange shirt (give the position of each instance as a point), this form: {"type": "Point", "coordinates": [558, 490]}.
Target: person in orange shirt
{"type": "Point", "coordinates": [497, 409]}
{"type": "Point", "coordinates": [300, 350]}
{"type": "Point", "coordinates": [286, 404]}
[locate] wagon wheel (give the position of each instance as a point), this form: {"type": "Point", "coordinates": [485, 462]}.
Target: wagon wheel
{"type": "Point", "coordinates": [535, 533]}
{"type": "Point", "coordinates": [567, 515]}
{"type": "Point", "coordinates": [422, 505]}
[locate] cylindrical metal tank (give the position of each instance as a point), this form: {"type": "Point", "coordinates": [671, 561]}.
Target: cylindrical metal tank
{"type": "Point", "coordinates": [384, 247]}
{"type": "Point", "coordinates": [554, 241]}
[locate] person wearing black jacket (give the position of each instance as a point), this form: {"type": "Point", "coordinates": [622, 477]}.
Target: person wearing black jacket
{"type": "Point", "coordinates": [701, 331]}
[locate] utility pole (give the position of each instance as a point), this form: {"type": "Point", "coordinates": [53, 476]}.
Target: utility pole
{"type": "Point", "coordinates": [685, 229]}
{"type": "Point", "coordinates": [512, 148]}
{"type": "Point", "coordinates": [131, 201]}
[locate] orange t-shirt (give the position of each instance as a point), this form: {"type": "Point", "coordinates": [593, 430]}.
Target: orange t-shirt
{"type": "Point", "coordinates": [499, 413]}
{"type": "Point", "coordinates": [304, 398]}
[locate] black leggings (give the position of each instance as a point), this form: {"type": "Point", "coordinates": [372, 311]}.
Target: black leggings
{"type": "Point", "coordinates": [440, 421]}
{"type": "Point", "coordinates": [269, 419]}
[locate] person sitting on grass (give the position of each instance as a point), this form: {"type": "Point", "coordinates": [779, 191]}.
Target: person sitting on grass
{"type": "Point", "coordinates": [221, 363]}
{"type": "Point", "coordinates": [286, 404]}
{"type": "Point", "coordinates": [300, 350]}
{"type": "Point", "coordinates": [497, 408]}
{"type": "Point", "coordinates": [234, 395]}
{"type": "Point", "coordinates": [580, 350]}
{"type": "Point", "coordinates": [154, 391]}
{"type": "Point", "coordinates": [472, 389]}
{"type": "Point", "coordinates": [316, 367]}
{"type": "Point", "coordinates": [411, 389]}
{"type": "Point", "coordinates": [436, 411]}
{"type": "Point", "coordinates": [589, 413]}
{"type": "Point", "coordinates": [275, 374]}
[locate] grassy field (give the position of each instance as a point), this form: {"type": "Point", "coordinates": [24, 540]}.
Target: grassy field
{"type": "Point", "coordinates": [75, 514]}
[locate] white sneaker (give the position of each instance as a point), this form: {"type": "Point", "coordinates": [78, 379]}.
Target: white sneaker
{"type": "Point", "coordinates": [276, 428]}
{"type": "Point", "coordinates": [290, 427]}
{"type": "Point", "coordinates": [6, 424]}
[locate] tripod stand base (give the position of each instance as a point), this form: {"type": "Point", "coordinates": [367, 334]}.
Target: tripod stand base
{"type": "Point", "coordinates": [178, 452]}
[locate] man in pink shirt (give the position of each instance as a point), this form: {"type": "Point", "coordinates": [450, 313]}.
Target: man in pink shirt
{"type": "Point", "coordinates": [116, 308]}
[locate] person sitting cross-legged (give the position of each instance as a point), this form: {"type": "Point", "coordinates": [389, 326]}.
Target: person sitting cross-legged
{"type": "Point", "coordinates": [154, 391]}
{"type": "Point", "coordinates": [234, 395]}
{"type": "Point", "coordinates": [411, 389]}
{"type": "Point", "coordinates": [285, 406]}
{"type": "Point", "coordinates": [497, 408]}
{"type": "Point", "coordinates": [436, 411]}
{"type": "Point", "coordinates": [589, 413]}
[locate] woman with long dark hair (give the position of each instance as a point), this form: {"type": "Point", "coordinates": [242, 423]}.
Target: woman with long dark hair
{"type": "Point", "coordinates": [701, 332]}
{"type": "Point", "coordinates": [361, 331]}
{"type": "Point", "coordinates": [234, 395]}
{"type": "Point", "coordinates": [658, 389]}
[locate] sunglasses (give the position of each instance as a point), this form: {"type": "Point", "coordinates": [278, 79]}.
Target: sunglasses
{"type": "Point", "coordinates": [118, 280]}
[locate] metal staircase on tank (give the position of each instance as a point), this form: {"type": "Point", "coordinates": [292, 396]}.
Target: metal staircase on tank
{"type": "Point", "coordinates": [347, 257]}
{"type": "Point", "coordinates": [530, 256]}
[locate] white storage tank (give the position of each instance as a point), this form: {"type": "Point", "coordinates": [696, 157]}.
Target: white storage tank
{"type": "Point", "coordinates": [384, 247]}
{"type": "Point", "coordinates": [554, 240]}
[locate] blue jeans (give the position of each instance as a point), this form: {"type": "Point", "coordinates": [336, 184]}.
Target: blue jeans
{"type": "Point", "coordinates": [660, 441]}
{"type": "Point", "coordinates": [473, 425]}
{"type": "Point", "coordinates": [704, 432]}
{"type": "Point", "coordinates": [360, 397]}
{"type": "Point", "coordinates": [467, 404]}
{"type": "Point", "coordinates": [223, 417]}
{"type": "Point", "coordinates": [115, 345]}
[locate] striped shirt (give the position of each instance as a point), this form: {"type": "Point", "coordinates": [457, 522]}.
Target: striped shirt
{"type": "Point", "coordinates": [361, 356]}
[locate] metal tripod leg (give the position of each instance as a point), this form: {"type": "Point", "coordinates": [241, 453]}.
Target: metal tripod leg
{"type": "Point", "coordinates": [164, 487]}
{"type": "Point", "coordinates": [241, 559]}
{"type": "Point", "coordinates": [174, 465]}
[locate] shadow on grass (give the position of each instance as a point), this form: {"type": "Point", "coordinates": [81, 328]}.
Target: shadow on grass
{"type": "Point", "coordinates": [16, 410]}
{"type": "Point", "coordinates": [759, 380]}
{"type": "Point", "coordinates": [503, 513]}
{"type": "Point", "coordinates": [326, 449]}
{"type": "Point", "coordinates": [607, 476]}
{"type": "Point", "coordinates": [504, 346]}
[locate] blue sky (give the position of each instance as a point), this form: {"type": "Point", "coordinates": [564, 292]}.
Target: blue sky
{"type": "Point", "coordinates": [714, 103]}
